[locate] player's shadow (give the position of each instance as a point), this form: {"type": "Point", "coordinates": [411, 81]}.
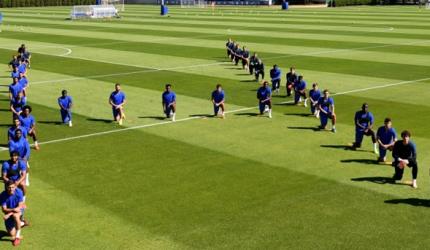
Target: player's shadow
{"type": "Point", "coordinates": [253, 80]}
{"type": "Point", "coordinates": [298, 114]}
{"type": "Point", "coordinates": [375, 179]}
{"type": "Point", "coordinates": [410, 201]}
{"type": "Point", "coordinates": [344, 147]}
{"type": "Point", "coordinates": [4, 91]}
{"type": "Point", "coordinates": [202, 115]}
{"type": "Point", "coordinates": [362, 161]}
{"type": "Point", "coordinates": [247, 114]}
{"type": "Point", "coordinates": [153, 117]}
{"type": "Point", "coordinates": [315, 129]}
{"type": "Point", "coordinates": [3, 234]}
{"type": "Point", "coordinates": [99, 120]}
{"type": "Point", "coordinates": [51, 122]}
{"type": "Point", "coordinates": [4, 110]}
{"type": "Point", "coordinates": [6, 125]}
{"type": "Point", "coordinates": [291, 103]}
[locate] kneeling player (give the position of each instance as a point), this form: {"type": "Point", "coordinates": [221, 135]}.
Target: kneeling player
{"type": "Point", "coordinates": [386, 137]}
{"type": "Point", "coordinates": [326, 108]}
{"type": "Point", "coordinates": [363, 127]}
{"type": "Point", "coordinates": [275, 75]}
{"type": "Point", "coordinates": [117, 101]}
{"type": "Point", "coordinates": [29, 123]}
{"type": "Point", "coordinates": [314, 96]}
{"type": "Point", "coordinates": [169, 102]}
{"type": "Point", "coordinates": [405, 155]}
{"type": "Point", "coordinates": [264, 95]}
{"type": "Point", "coordinates": [14, 170]}
{"type": "Point", "coordinates": [218, 98]}
{"type": "Point", "coordinates": [12, 202]}
{"type": "Point", "coordinates": [65, 102]}
{"type": "Point", "coordinates": [300, 91]}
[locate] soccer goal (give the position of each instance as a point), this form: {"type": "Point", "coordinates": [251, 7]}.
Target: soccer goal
{"type": "Point", "coordinates": [193, 3]}
{"type": "Point", "coordinates": [119, 4]}
{"type": "Point", "coordinates": [93, 11]}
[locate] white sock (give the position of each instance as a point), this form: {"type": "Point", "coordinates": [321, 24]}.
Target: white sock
{"type": "Point", "coordinates": [27, 179]}
{"type": "Point", "coordinates": [23, 198]}
{"type": "Point", "coordinates": [270, 113]}
{"type": "Point", "coordinates": [18, 234]}
{"type": "Point", "coordinates": [174, 117]}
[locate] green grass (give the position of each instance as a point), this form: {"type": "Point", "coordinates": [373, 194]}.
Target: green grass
{"type": "Point", "coordinates": [245, 182]}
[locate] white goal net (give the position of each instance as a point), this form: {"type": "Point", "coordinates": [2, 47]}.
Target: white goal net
{"type": "Point", "coordinates": [119, 4]}
{"type": "Point", "coordinates": [93, 11]}
{"type": "Point", "coordinates": [194, 3]}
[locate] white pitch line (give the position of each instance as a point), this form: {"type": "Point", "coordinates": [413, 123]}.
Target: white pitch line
{"type": "Point", "coordinates": [232, 111]}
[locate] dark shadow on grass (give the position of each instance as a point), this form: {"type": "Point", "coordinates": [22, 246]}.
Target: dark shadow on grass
{"type": "Point", "coordinates": [375, 179]}
{"type": "Point", "coordinates": [4, 100]}
{"type": "Point", "coordinates": [99, 120]}
{"type": "Point", "coordinates": [3, 234]}
{"type": "Point", "coordinates": [4, 110]}
{"type": "Point", "coordinates": [4, 91]}
{"type": "Point", "coordinates": [298, 114]}
{"type": "Point", "coordinates": [202, 115]}
{"type": "Point", "coordinates": [51, 122]}
{"type": "Point", "coordinates": [363, 161]}
{"type": "Point", "coordinates": [242, 74]}
{"type": "Point", "coordinates": [153, 117]}
{"type": "Point", "coordinates": [5, 125]}
{"type": "Point", "coordinates": [410, 201]}
{"type": "Point", "coordinates": [285, 104]}
{"type": "Point", "coordinates": [247, 114]}
{"type": "Point", "coordinates": [248, 80]}
{"type": "Point", "coordinates": [305, 128]}
{"type": "Point", "coordinates": [344, 147]}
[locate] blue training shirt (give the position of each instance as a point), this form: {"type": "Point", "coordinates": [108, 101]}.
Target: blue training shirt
{"type": "Point", "coordinates": [218, 96]}
{"type": "Point", "coordinates": [27, 121]}
{"type": "Point", "coordinates": [11, 132]}
{"type": "Point", "coordinates": [15, 89]}
{"type": "Point", "coordinates": [275, 74]}
{"type": "Point", "coordinates": [117, 97]}
{"type": "Point", "coordinates": [264, 93]}
{"type": "Point", "coordinates": [21, 146]}
{"type": "Point", "coordinates": [315, 95]}
{"type": "Point", "coordinates": [325, 103]}
{"type": "Point", "coordinates": [65, 102]}
{"type": "Point", "coordinates": [17, 103]}
{"type": "Point", "coordinates": [168, 97]}
{"type": "Point", "coordinates": [300, 85]}
{"type": "Point", "coordinates": [387, 136]}
{"type": "Point", "coordinates": [13, 200]}
{"type": "Point", "coordinates": [364, 119]}
{"type": "Point", "coordinates": [22, 68]}
{"type": "Point", "coordinates": [23, 82]}
{"type": "Point", "coordinates": [13, 170]}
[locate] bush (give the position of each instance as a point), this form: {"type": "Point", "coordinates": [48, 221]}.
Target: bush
{"type": "Point", "coordinates": [338, 3]}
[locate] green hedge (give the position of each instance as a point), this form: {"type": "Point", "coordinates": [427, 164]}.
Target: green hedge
{"type": "Point", "coordinates": [37, 3]}
{"type": "Point", "coordinates": [338, 3]}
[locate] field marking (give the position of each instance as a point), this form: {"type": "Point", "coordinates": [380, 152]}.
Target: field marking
{"type": "Point", "coordinates": [228, 112]}
{"type": "Point", "coordinates": [149, 69]}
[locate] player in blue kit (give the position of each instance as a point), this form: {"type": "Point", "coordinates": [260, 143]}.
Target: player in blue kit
{"type": "Point", "coordinates": [405, 155]}
{"type": "Point", "coordinates": [12, 203]}
{"type": "Point", "coordinates": [65, 102]}
{"type": "Point", "coordinates": [386, 137]}
{"type": "Point", "coordinates": [228, 45]}
{"type": "Point", "coordinates": [20, 144]}
{"type": "Point", "coordinates": [14, 73]}
{"type": "Point", "coordinates": [238, 54]}
{"type": "Point", "coordinates": [15, 170]}
{"type": "Point", "coordinates": [22, 68]}
{"type": "Point", "coordinates": [292, 78]}
{"type": "Point", "coordinates": [29, 123]}
{"type": "Point", "coordinates": [168, 100]}
{"type": "Point", "coordinates": [17, 104]}
{"type": "Point", "coordinates": [23, 81]}
{"type": "Point", "coordinates": [326, 109]}
{"type": "Point", "coordinates": [117, 101]}
{"type": "Point", "coordinates": [264, 96]}
{"type": "Point", "coordinates": [364, 120]}
{"type": "Point", "coordinates": [14, 62]}
{"type": "Point", "coordinates": [275, 75]}
{"type": "Point", "coordinates": [14, 89]}
{"type": "Point", "coordinates": [16, 125]}
{"type": "Point", "coordinates": [259, 70]}
{"type": "Point", "coordinates": [218, 98]}
{"type": "Point", "coordinates": [300, 91]}
{"type": "Point", "coordinates": [245, 58]}
{"type": "Point", "coordinates": [314, 97]}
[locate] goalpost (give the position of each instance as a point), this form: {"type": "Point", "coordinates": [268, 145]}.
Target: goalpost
{"type": "Point", "coordinates": [193, 3]}
{"type": "Point", "coordinates": [119, 4]}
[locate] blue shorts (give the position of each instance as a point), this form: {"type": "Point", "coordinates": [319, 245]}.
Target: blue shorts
{"type": "Point", "coordinates": [324, 118]}
{"type": "Point", "coordinates": [10, 224]}
{"type": "Point", "coordinates": [115, 112]}
{"type": "Point", "coordinates": [168, 110]}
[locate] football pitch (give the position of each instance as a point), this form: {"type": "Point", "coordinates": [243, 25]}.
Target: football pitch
{"type": "Point", "coordinates": [244, 182]}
